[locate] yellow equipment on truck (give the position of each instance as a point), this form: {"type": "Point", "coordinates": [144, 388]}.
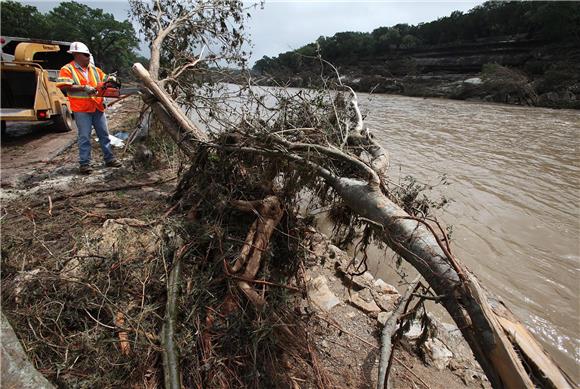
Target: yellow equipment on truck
{"type": "Point", "coordinates": [29, 92]}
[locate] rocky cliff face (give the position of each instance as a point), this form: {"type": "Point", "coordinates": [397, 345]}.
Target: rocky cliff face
{"type": "Point", "coordinates": [514, 71]}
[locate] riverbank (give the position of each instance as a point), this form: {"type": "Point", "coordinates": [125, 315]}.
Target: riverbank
{"type": "Point", "coordinates": [510, 71]}
{"type": "Point", "coordinates": [84, 275]}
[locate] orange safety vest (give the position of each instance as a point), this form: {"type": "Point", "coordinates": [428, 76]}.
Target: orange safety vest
{"type": "Point", "coordinates": [81, 101]}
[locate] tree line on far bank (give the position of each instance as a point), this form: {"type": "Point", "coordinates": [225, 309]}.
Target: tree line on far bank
{"type": "Point", "coordinates": [543, 20]}
{"type": "Point", "coordinates": [112, 42]}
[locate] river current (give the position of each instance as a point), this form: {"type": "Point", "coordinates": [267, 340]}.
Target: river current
{"type": "Point", "coordinates": [514, 176]}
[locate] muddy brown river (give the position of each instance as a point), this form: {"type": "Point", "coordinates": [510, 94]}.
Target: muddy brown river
{"type": "Point", "coordinates": [515, 176]}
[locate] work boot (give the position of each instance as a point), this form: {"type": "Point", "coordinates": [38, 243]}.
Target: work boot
{"type": "Point", "coordinates": [85, 169]}
{"type": "Point", "coordinates": [113, 163]}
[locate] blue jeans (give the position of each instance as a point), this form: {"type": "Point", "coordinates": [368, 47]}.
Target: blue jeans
{"type": "Point", "coordinates": [85, 122]}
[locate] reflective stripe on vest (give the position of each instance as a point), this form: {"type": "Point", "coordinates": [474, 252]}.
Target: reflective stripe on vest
{"type": "Point", "coordinates": [75, 76]}
{"type": "Point", "coordinates": [81, 101]}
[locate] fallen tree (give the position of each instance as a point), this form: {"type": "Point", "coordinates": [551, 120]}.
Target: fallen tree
{"type": "Point", "coordinates": [323, 145]}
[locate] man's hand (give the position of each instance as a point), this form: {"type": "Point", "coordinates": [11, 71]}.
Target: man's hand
{"type": "Point", "coordinates": [91, 90]}
{"type": "Point", "coordinates": [111, 77]}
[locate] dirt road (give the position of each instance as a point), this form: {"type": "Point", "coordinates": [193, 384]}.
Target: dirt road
{"type": "Point", "coordinates": [28, 147]}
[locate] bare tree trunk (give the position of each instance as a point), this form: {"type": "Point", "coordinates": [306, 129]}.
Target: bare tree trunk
{"type": "Point", "coordinates": [464, 299]}
{"type": "Point", "coordinates": [155, 59]}
{"type": "Point", "coordinates": [170, 106]}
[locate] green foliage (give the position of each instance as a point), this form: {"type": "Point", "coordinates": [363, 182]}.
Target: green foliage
{"type": "Point", "coordinates": [112, 42]}
{"type": "Point", "coordinates": [22, 20]}
{"type": "Point", "coordinates": [548, 21]}
{"type": "Point", "coordinates": [178, 30]}
{"type": "Point", "coordinates": [559, 76]}
{"type": "Point", "coordinates": [412, 196]}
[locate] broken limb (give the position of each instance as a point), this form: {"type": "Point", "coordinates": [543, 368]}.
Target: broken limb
{"type": "Point", "coordinates": [167, 102]}
{"type": "Point", "coordinates": [81, 193]}
{"type": "Point", "coordinates": [269, 211]}
{"type": "Point", "coordinates": [123, 336]}
{"type": "Point", "coordinates": [170, 353]}
{"type": "Point", "coordinates": [467, 303]}
{"type": "Point", "coordinates": [387, 333]}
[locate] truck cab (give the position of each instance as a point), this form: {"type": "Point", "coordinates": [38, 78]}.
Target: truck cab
{"type": "Point", "coordinates": [28, 70]}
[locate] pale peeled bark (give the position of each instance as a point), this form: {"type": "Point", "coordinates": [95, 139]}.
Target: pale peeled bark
{"type": "Point", "coordinates": [168, 103]}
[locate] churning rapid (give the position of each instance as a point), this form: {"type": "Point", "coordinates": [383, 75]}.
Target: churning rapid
{"type": "Point", "coordinates": [514, 174]}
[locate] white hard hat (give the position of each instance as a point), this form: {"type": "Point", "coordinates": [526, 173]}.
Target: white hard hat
{"type": "Point", "coordinates": [78, 47]}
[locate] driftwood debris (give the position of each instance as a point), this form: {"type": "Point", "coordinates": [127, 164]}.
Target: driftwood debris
{"type": "Point", "coordinates": [387, 333]}
{"type": "Point", "coordinates": [499, 353]}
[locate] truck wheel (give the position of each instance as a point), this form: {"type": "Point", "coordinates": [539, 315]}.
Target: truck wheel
{"type": "Point", "coordinates": [64, 122]}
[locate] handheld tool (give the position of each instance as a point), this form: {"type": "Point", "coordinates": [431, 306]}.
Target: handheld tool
{"type": "Point", "coordinates": [109, 89]}
{"type": "Point", "coordinates": [112, 88]}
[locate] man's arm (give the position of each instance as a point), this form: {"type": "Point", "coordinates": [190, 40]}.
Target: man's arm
{"type": "Point", "coordinates": [66, 84]}
{"type": "Point", "coordinates": [77, 88]}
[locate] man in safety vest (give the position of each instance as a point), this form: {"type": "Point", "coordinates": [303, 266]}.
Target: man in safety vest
{"type": "Point", "coordinates": [79, 78]}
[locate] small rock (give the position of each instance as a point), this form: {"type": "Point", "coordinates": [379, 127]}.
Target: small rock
{"type": "Point", "coordinates": [471, 377]}
{"type": "Point", "coordinates": [351, 315]}
{"type": "Point", "coordinates": [21, 281]}
{"type": "Point", "coordinates": [436, 353]}
{"type": "Point", "coordinates": [72, 270]}
{"type": "Point", "coordinates": [473, 81]}
{"type": "Point", "coordinates": [363, 281]}
{"type": "Point", "coordinates": [320, 295]}
{"type": "Point", "coordinates": [334, 252]}
{"type": "Point", "coordinates": [318, 249]}
{"type": "Point", "coordinates": [415, 330]}
{"type": "Point", "coordinates": [386, 302]}
{"type": "Point", "coordinates": [383, 317]}
{"type": "Point", "coordinates": [382, 287]}
{"type": "Point", "coordinates": [366, 295]}
{"type": "Point", "coordinates": [367, 307]}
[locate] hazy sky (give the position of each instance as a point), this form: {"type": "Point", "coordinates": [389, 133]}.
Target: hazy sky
{"type": "Point", "coordinates": [287, 25]}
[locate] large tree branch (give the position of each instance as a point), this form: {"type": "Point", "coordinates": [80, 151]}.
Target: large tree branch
{"type": "Point", "coordinates": [331, 152]}
{"type": "Point", "coordinates": [464, 299]}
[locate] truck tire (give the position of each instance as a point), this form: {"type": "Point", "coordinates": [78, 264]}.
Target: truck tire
{"type": "Point", "coordinates": [64, 122]}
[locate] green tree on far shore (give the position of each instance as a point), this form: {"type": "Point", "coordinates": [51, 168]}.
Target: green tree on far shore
{"type": "Point", "coordinates": [547, 21]}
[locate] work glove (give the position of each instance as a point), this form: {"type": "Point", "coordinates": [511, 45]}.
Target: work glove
{"type": "Point", "coordinates": [91, 90]}
{"type": "Point", "coordinates": [111, 77]}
